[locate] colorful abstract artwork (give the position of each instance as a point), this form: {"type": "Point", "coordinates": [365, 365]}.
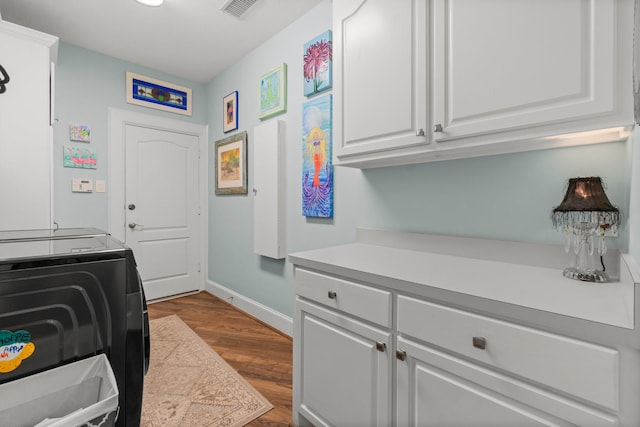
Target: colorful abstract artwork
{"type": "Point", "coordinates": [157, 94]}
{"type": "Point", "coordinates": [231, 164]}
{"type": "Point", "coordinates": [318, 64]}
{"type": "Point", "coordinates": [79, 157]}
{"type": "Point", "coordinates": [273, 92]}
{"type": "Point", "coordinates": [230, 112]}
{"type": "Point", "coordinates": [317, 166]}
{"type": "Point", "coordinates": [80, 133]}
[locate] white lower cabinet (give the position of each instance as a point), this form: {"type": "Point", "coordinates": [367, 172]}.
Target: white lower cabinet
{"type": "Point", "coordinates": [371, 356]}
{"type": "Point", "coordinates": [344, 377]}
{"type": "Point", "coordinates": [437, 389]}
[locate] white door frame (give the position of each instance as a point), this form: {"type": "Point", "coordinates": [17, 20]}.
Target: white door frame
{"type": "Point", "coordinates": [117, 121]}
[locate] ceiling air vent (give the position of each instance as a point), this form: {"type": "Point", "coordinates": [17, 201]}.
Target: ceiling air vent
{"type": "Point", "coordinates": [237, 8]}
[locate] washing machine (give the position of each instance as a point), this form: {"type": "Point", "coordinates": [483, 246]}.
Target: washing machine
{"type": "Point", "coordinates": [70, 294]}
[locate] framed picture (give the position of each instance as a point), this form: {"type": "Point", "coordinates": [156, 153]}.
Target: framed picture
{"type": "Point", "coordinates": [152, 93]}
{"type": "Point", "coordinates": [317, 166]}
{"type": "Point", "coordinates": [230, 112]}
{"type": "Point", "coordinates": [80, 133]}
{"type": "Point", "coordinates": [79, 157]}
{"type": "Point", "coordinates": [318, 64]}
{"type": "Point", "coordinates": [231, 164]}
{"type": "Point", "coordinates": [273, 92]}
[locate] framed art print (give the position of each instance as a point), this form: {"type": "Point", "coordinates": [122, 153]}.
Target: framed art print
{"type": "Point", "coordinates": [317, 166]}
{"type": "Point", "coordinates": [152, 93]}
{"type": "Point", "coordinates": [80, 133]}
{"type": "Point", "coordinates": [318, 64]}
{"type": "Point", "coordinates": [231, 164]}
{"type": "Point", "coordinates": [230, 112]}
{"type": "Point", "coordinates": [273, 92]}
{"type": "Point", "coordinates": [79, 157]}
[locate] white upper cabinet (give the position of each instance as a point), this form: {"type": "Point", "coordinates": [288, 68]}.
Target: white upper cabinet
{"type": "Point", "coordinates": [517, 64]}
{"type": "Point", "coordinates": [479, 77]}
{"type": "Point", "coordinates": [380, 90]}
{"type": "Point", "coordinates": [26, 57]}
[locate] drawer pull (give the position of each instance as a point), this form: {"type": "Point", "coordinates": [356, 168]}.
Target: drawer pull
{"type": "Point", "coordinates": [401, 355]}
{"type": "Point", "coordinates": [332, 295]}
{"type": "Point", "coordinates": [380, 346]}
{"type": "Point", "coordinates": [480, 342]}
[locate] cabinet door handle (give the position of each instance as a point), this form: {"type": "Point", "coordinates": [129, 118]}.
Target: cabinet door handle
{"type": "Point", "coordinates": [332, 295]}
{"type": "Point", "coordinates": [480, 342]}
{"type": "Point", "coordinates": [437, 128]}
{"type": "Point", "coordinates": [380, 346]}
{"type": "Point", "coordinates": [401, 355]}
{"type": "Point", "coordinates": [420, 132]}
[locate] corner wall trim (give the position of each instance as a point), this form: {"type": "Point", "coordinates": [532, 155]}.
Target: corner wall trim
{"type": "Point", "coordinates": [261, 312]}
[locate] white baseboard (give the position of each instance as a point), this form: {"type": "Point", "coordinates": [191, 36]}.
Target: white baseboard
{"type": "Point", "coordinates": [261, 312]}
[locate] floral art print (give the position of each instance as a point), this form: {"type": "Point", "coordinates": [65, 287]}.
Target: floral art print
{"type": "Point", "coordinates": [318, 63]}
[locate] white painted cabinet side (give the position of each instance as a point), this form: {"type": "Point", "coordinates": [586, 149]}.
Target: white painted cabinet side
{"type": "Point", "coordinates": [25, 134]}
{"type": "Point", "coordinates": [268, 191]}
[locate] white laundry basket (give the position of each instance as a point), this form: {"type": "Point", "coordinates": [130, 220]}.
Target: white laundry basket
{"type": "Point", "coordinates": [82, 393]}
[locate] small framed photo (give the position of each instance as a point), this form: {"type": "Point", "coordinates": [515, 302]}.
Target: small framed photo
{"type": "Point", "coordinates": [231, 164]}
{"type": "Point", "coordinates": [80, 133]}
{"type": "Point", "coordinates": [230, 112]}
{"type": "Point", "coordinates": [273, 92]}
{"type": "Point", "coordinates": [153, 93]}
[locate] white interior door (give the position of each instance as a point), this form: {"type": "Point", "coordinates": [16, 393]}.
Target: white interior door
{"type": "Point", "coordinates": [161, 208]}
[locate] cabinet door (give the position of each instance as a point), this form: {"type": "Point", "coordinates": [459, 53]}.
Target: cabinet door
{"type": "Point", "coordinates": [514, 64]}
{"type": "Point", "coordinates": [268, 192]}
{"type": "Point", "coordinates": [25, 138]}
{"type": "Point", "coordinates": [342, 370]}
{"type": "Point", "coordinates": [380, 85]}
{"type": "Point", "coordinates": [439, 390]}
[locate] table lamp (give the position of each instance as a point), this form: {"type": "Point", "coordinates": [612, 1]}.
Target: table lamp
{"type": "Point", "coordinates": [584, 215]}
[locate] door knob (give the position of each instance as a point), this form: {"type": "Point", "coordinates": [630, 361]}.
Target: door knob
{"type": "Point", "coordinates": [132, 225]}
{"type": "Point", "coordinates": [131, 207]}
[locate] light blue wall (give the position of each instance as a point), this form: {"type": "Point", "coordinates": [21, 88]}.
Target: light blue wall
{"type": "Point", "coordinates": [87, 84]}
{"type": "Point", "coordinates": [506, 197]}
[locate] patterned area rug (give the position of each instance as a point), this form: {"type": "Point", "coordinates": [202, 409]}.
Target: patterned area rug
{"type": "Point", "coordinates": [189, 384]}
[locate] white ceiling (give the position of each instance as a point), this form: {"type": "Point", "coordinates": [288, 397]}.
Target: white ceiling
{"type": "Point", "coordinates": [192, 39]}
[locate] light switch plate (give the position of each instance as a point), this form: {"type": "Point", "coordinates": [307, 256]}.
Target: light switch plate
{"type": "Point", "coordinates": [81, 185]}
{"type": "Point", "coordinates": [101, 186]}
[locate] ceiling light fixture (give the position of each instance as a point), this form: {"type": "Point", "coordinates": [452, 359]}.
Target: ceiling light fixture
{"type": "Point", "coordinates": [150, 2]}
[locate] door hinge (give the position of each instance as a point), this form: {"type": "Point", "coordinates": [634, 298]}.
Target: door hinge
{"type": "Point", "coordinates": [198, 266]}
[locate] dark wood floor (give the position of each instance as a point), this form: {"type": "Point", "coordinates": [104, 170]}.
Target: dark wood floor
{"type": "Point", "coordinates": [260, 354]}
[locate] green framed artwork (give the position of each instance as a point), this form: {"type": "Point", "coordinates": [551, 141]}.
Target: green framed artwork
{"type": "Point", "coordinates": [273, 92]}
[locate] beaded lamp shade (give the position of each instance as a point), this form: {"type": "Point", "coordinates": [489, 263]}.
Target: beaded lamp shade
{"type": "Point", "coordinates": [586, 212]}
{"type": "Point", "coordinates": [585, 201]}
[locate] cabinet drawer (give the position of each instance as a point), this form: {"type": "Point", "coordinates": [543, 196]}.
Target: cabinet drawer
{"type": "Point", "coordinates": [358, 300]}
{"type": "Point", "coordinates": [579, 368]}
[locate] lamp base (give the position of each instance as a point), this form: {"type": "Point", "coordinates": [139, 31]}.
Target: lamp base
{"type": "Point", "coordinates": [586, 275]}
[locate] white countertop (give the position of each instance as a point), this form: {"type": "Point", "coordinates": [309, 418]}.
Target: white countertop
{"type": "Point", "coordinates": [526, 275]}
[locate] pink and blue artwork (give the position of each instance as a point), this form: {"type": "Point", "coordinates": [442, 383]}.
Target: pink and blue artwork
{"type": "Point", "coordinates": [317, 166]}
{"type": "Point", "coordinates": [318, 64]}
